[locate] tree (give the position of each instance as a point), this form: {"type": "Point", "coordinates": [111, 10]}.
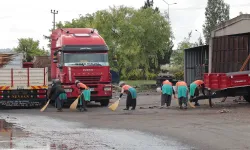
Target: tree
{"type": "Point", "coordinates": [167, 50]}
{"type": "Point", "coordinates": [139, 38]}
{"type": "Point", "coordinates": [177, 58]}
{"type": "Point", "coordinates": [178, 55]}
{"type": "Point", "coordinates": [150, 4]}
{"type": "Point", "coordinates": [216, 12]}
{"type": "Point", "coordinates": [199, 42]}
{"type": "Point", "coordinates": [29, 48]}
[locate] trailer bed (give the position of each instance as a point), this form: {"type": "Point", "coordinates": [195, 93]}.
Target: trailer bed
{"type": "Point", "coordinates": [221, 81]}
{"type": "Point", "coordinates": [26, 87]}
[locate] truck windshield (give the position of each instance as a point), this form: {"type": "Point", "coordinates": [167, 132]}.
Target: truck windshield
{"type": "Point", "coordinates": [85, 59]}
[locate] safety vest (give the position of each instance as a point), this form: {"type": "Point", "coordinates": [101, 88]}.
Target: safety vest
{"type": "Point", "coordinates": [167, 82]}
{"type": "Point", "coordinates": [181, 83]}
{"type": "Point", "coordinates": [81, 85]}
{"type": "Point", "coordinates": [126, 87]}
{"type": "Point", "coordinates": [198, 82]}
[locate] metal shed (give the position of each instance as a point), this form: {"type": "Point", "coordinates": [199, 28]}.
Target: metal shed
{"type": "Point", "coordinates": [195, 63]}
{"type": "Point", "coordinates": [229, 45]}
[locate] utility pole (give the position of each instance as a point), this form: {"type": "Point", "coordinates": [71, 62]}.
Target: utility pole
{"type": "Point", "coordinates": [54, 12]}
{"type": "Point", "coordinates": [168, 7]}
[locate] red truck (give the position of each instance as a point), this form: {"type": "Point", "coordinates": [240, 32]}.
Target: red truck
{"type": "Point", "coordinates": [81, 54]}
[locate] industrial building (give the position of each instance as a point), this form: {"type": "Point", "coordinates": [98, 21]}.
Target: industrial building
{"type": "Point", "coordinates": [228, 48]}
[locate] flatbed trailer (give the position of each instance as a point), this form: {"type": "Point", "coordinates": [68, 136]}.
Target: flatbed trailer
{"type": "Point", "coordinates": [23, 87]}
{"type": "Point", "coordinates": [226, 85]}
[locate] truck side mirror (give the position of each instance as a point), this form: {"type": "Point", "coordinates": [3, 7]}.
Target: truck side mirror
{"type": "Point", "coordinates": [55, 60]}
{"type": "Point", "coordinates": [59, 66]}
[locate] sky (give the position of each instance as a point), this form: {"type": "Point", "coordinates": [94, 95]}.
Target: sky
{"type": "Point", "coordinates": [32, 18]}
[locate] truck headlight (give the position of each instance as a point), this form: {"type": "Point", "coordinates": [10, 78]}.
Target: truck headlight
{"type": "Point", "coordinates": [108, 88]}
{"type": "Point", "coordinates": [68, 90]}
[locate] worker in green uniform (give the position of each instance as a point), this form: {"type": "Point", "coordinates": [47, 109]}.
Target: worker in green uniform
{"type": "Point", "coordinates": [182, 91]}
{"type": "Point", "coordinates": [58, 94]}
{"type": "Point", "coordinates": [84, 95]}
{"type": "Point", "coordinates": [167, 92]}
{"type": "Point", "coordinates": [195, 88]}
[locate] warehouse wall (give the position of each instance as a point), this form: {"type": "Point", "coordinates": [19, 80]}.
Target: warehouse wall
{"type": "Point", "coordinates": [194, 60]}
{"type": "Point", "coordinates": [229, 53]}
{"type": "Point", "coordinates": [229, 45]}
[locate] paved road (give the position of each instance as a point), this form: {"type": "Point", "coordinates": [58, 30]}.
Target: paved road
{"type": "Point", "coordinates": [42, 132]}
{"type": "Point", "coordinates": [199, 128]}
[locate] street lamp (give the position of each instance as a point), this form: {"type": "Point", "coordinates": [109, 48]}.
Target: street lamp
{"type": "Point", "coordinates": [205, 59]}
{"type": "Point", "coordinates": [168, 7]}
{"type": "Point", "coordinates": [198, 32]}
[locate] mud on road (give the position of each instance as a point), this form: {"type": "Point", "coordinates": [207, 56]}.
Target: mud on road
{"type": "Point", "coordinates": [200, 128]}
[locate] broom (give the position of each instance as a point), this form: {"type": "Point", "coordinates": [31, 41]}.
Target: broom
{"type": "Point", "coordinates": [45, 106]}
{"type": "Point", "coordinates": [74, 104]}
{"type": "Point", "coordinates": [114, 106]}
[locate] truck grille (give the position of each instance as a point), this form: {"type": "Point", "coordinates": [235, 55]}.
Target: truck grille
{"type": "Point", "coordinates": [89, 78]}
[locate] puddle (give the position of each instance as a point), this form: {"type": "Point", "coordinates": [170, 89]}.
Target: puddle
{"type": "Point", "coordinates": [11, 134]}
{"type": "Point", "coordinates": [45, 133]}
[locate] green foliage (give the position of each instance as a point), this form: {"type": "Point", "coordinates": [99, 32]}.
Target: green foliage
{"type": "Point", "coordinates": [217, 11]}
{"type": "Point", "coordinates": [178, 55]}
{"type": "Point", "coordinates": [137, 75]}
{"type": "Point", "coordinates": [139, 82]}
{"type": "Point", "coordinates": [179, 75]}
{"type": "Point", "coordinates": [139, 38]}
{"type": "Point", "coordinates": [29, 48]}
{"type": "Point", "coordinates": [150, 4]}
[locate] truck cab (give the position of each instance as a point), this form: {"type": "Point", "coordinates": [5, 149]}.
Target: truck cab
{"type": "Point", "coordinates": [81, 54]}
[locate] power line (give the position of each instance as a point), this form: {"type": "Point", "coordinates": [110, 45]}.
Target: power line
{"type": "Point", "coordinates": [203, 7]}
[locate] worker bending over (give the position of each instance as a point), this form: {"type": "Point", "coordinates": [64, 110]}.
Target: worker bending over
{"type": "Point", "coordinates": [131, 95]}
{"type": "Point", "coordinates": [167, 92]}
{"type": "Point", "coordinates": [195, 87]}
{"type": "Point", "coordinates": [57, 94]}
{"type": "Point", "coordinates": [84, 95]}
{"type": "Point", "coordinates": [182, 91]}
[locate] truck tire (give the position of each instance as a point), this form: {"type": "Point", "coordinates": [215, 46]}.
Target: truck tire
{"type": "Point", "coordinates": [105, 102]}
{"type": "Point", "coordinates": [247, 98]}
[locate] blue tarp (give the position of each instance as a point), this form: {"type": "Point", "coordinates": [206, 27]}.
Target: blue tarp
{"type": "Point", "coordinates": [115, 77]}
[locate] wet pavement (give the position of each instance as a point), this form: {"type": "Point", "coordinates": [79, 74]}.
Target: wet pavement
{"type": "Point", "coordinates": [45, 133]}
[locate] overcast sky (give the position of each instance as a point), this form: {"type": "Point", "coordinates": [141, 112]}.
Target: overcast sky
{"type": "Point", "coordinates": [32, 18]}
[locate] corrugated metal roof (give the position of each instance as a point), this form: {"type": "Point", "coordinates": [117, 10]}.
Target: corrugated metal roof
{"type": "Point", "coordinates": [232, 21]}
{"type": "Point", "coordinates": [237, 25]}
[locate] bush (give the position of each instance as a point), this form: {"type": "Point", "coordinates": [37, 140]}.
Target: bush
{"type": "Point", "coordinates": [138, 75]}
{"type": "Point", "coordinates": [179, 75]}
{"type": "Point", "coordinates": [151, 76]}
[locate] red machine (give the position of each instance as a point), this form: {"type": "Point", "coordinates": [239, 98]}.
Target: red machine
{"type": "Point", "coordinates": [81, 54]}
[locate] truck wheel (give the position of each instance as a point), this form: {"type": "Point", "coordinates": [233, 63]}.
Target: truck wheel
{"type": "Point", "coordinates": [247, 98]}
{"type": "Point", "coordinates": [105, 102]}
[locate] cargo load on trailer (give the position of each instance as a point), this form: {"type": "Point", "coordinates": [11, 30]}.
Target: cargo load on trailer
{"type": "Point", "coordinates": [21, 87]}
